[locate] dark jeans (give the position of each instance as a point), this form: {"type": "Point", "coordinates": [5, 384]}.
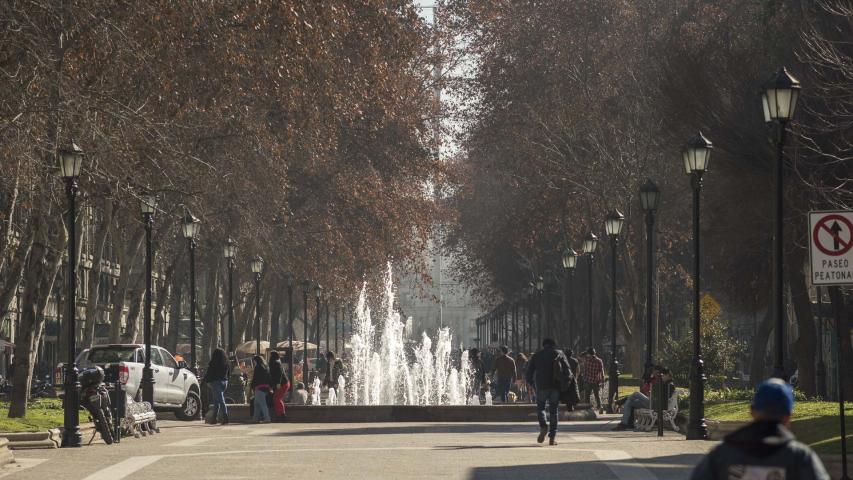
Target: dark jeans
{"type": "Point", "coordinates": [217, 398]}
{"type": "Point", "coordinates": [595, 390]}
{"type": "Point", "coordinates": [552, 397]}
{"type": "Point", "coordinates": [503, 388]}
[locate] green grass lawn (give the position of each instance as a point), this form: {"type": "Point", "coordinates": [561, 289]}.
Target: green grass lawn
{"type": "Point", "coordinates": [42, 414]}
{"type": "Point", "coordinates": [814, 423]}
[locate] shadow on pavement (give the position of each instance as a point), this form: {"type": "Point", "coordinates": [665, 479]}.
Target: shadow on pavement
{"type": "Point", "coordinates": [665, 467]}
{"type": "Point", "coordinates": [439, 428]}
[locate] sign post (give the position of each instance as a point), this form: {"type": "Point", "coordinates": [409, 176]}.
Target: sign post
{"type": "Point", "coordinates": [831, 247]}
{"type": "Point", "coordinates": [831, 258]}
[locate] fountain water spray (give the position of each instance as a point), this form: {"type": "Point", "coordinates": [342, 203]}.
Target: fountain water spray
{"type": "Point", "coordinates": [381, 373]}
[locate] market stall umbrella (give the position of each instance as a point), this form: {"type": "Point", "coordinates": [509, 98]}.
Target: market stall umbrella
{"type": "Point", "coordinates": [298, 345]}
{"type": "Point", "coordinates": [250, 347]}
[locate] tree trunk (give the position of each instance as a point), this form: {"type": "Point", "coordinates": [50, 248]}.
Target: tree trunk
{"type": "Point", "coordinates": [9, 217]}
{"type": "Point", "coordinates": [210, 317]}
{"type": "Point", "coordinates": [45, 262]}
{"type": "Point", "coordinates": [805, 347]}
{"type": "Point", "coordinates": [279, 300]}
{"type": "Point", "coordinates": [757, 367]}
{"type": "Point", "coordinates": [176, 299]}
{"type": "Point", "coordinates": [15, 273]}
{"type": "Point", "coordinates": [134, 319]}
{"type": "Point", "coordinates": [843, 321]}
{"type": "Point", "coordinates": [161, 299]}
{"type": "Point", "coordinates": [126, 259]}
{"type": "Point", "coordinates": [95, 286]}
{"type": "Point", "coordinates": [245, 319]}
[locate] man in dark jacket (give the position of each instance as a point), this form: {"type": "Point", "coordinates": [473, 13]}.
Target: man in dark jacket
{"type": "Point", "coordinates": [575, 367]}
{"type": "Point", "coordinates": [764, 449]}
{"type": "Point", "coordinates": [540, 375]}
{"type": "Point", "coordinates": [504, 373]}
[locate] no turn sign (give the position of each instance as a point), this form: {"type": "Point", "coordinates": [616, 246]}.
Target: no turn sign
{"type": "Point", "coordinates": [831, 247]}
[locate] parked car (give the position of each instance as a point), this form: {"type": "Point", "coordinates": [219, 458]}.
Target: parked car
{"type": "Point", "coordinates": [176, 388]}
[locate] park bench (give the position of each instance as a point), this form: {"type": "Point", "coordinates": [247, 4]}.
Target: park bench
{"type": "Point", "coordinates": [645, 418]}
{"type": "Point", "coordinates": [139, 419]}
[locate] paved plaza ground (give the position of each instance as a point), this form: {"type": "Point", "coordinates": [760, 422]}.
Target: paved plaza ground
{"type": "Point", "coordinates": [586, 450]}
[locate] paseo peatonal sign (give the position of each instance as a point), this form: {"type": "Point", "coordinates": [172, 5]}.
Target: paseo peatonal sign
{"type": "Point", "coordinates": [831, 247]}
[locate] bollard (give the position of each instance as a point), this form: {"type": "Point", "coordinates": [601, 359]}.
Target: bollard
{"type": "Point", "coordinates": [119, 410]}
{"type": "Point", "coordinates": [840, 368]}
{"type": "Point", "coordinates": [661, 400]}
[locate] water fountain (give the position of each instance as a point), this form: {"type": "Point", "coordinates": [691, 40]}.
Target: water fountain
{"type": "Point", "coordinates": [318, 392]}
{"type": "Point", "coordinates": [381, 373]}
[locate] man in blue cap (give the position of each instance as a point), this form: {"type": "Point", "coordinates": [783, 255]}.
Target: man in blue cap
{"type": "Point", "coordinates": [765, 449]}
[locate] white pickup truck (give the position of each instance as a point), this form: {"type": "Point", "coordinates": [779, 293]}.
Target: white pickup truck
{"type": "Point", "coordinates": [176, 388]}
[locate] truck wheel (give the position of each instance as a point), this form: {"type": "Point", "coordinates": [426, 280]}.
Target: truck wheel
{"type": "Point", "coordinates": [191, 407]}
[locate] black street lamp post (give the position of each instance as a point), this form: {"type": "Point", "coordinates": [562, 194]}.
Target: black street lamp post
{"type": "Point", "coordinates": [257, 268]}
{"type": "Point", "coordinates": [190, 230]}
{"type": "Point", "coordinates": [589, 244]}
{"type": "Point", "coordinates": [230, 252]}
{"type": "Point", "coordinates": [337, 315]}
{"type": "Point", "coordinates": [570, 261]}
{"type": "Point", "coordinates": [650, 197]}
{"type": "Point", "coordinates": [528, 315]}
{"type": "Point", "coordinates": [778, 101]}
{"type": "Point", "coordinates": [696, 155]}
{"type": "Point", "coordinates": [328, 330]}
{"type": "Point", "coordinates": [515, 346]}
{"type": "Point", "coordinates": [70, 164]}
{"type": "Point", "coordinates": [306, 289]}
{"type": "Point", "coordinates": [539, 287]}
{"type": "Point", "coordinates": [318, 294]}
{"type": "Point", "coordinates": [149, 206]}
{"type": "Point", "coordinates": [613, 225]}
{"type": "Point", "coordinates": [288, 278]}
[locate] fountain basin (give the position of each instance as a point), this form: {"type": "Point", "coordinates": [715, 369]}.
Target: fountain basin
{"type": "Point", "coordinates": [412, 413]}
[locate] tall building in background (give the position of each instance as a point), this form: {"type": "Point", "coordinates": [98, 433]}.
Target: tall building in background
{"type": "Point", "coordinates": [444, 302]}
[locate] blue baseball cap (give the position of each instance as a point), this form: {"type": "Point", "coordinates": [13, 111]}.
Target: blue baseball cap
{"type": "Point", "coordinates": [774, 397]}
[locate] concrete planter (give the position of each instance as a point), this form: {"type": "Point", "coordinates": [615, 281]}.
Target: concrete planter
{"type": "Point", "coordinates": [410, 413]}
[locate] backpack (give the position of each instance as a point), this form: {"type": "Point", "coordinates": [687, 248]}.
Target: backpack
{"type": "Point", "coordinates": [564, 381]}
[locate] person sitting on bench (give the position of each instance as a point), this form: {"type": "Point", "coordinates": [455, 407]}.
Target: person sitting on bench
{"type": "Point", "coordinates": [638, 400]}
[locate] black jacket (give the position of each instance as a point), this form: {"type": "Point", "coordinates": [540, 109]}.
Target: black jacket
{"type": "Point", "coordinates": [540, 368]}
{"type": "Point", "coordinates": [573, 363]}
{"type": "Point", "coordinates": [261, 377]}
{"type": "Point", "coordinates": [277, 375]}
{"type": "Point", "coordinates": [764, 450]}
{"type": "Point", "coordinates": [216, 372]}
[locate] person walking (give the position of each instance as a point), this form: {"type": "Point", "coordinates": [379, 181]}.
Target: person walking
{"type": "Point", "coordinates": [478, 373]}
{"type": "Point", "coordinates": [541, 376]}
{"type": "Point", "coordinates": [216, 378]}
{"type": "Point", "coordinates": [334, 370]}
{"type": "Point", "coordinates": [261, 381]}
{"type": "Point", "coordinates": [300, 395]}
{"type": "Point", "coordinates": [280, 385]}
{"type": "Point", "coordinates": [520, 371]}
{"type": "Point", "coordinates": [505, 373]}
{"type": "Point", "coordinates": [575, 367]}
{"type": "Point", "coordinates": [765, 449]}
{"type": "Point", "coordinates": [592, 374]}
{"type": "Point", "coordinates": [573, 362]}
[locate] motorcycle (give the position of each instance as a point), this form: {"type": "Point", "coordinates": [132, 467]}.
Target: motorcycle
{"type": "Point", "coordinates": [95, 398]}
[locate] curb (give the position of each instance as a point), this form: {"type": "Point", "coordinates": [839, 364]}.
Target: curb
{"type": "Point", "coordinates": [51, 438]}
{"type": "Point", "coordinates": [719, 429]}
